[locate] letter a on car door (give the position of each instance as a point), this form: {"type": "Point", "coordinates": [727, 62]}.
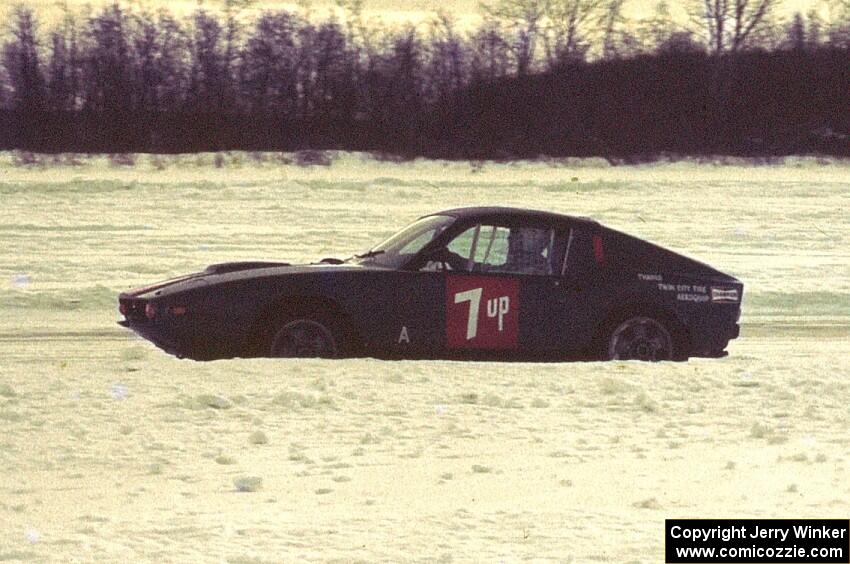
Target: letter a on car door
{"type": "Point", "coordinates": [482, 312]}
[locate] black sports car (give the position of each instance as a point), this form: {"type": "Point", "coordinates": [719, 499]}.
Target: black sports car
{"type": "Point", "coordinates": [487, 282]}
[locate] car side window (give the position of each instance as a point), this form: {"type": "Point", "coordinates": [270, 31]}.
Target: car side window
{"type": "Point", "coordinates": [503, 249]}
{"type": "Point", "coordinates": [527, 250]}
{"type": "Point", "coordinates": [486, 245]}
{"type": "Point", "coordinates": [462, 244]}
{"type": "Point", "coordinates": [492, 249]}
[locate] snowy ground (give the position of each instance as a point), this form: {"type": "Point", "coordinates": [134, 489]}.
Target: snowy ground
{"type": "Point", "coordinates": [111, 450]}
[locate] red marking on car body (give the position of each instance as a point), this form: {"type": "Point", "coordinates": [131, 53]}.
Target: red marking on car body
{"type": "Point", "coordinates": [598, 249]}
{"type": "Point", "coordinates": [482, 312]}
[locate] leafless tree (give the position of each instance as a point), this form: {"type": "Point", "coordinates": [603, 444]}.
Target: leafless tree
{"type": "Point", "coordinates": [568, 29]}
{"type": "Point", "coordinates": [523, 20]}
{"type": "Point", "coordinates": [269, 61]}
{"type": "Point", "coordinates": [839, 5]}
{"type": "Point", "coordinates": [362, 37]}
{"type": "Point", "coordinates": [108, 75]}
{"type": "Point", "coordinates": [208, 66]}
{"type": "Point", "coordinates": [796, 39]}
{"type": "Point", "coordinates": [233, 9]}
{"type": "Point", "coordinates": [490, 54]}
{"type": "Point", "coordinates": [614, 38]}
{"type": "Point", "coordinates": [839, 28]}
{"type": "Point", "coordinates": [22, 62]}
{"type": "Point", "coordinates": [816, 29]}
{"type": "Point", "coordinates": [446, 68]}
{"type": "Point", "coordinates": [326, 71]}
{"type": "Point", "coordinates": [64, 73]}
{"type": "Point", "coordinates": [574, 25]}
{"type": "Point", "coordinates": [159, 58]}
{"type": "Point", "coordinates": [663, 33]}
{"type": "Point", "coordinates": [729, 25]}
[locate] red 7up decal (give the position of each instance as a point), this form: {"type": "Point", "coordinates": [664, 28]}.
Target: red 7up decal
{"type": "Point", "coordinates": [482, 312]}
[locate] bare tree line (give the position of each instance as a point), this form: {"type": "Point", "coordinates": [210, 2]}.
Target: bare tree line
{"type": "Point", "coordinates": [123, 74]}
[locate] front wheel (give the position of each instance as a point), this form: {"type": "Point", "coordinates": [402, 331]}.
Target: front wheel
{"type": "Point", "coordinates": [640, 338]}
{"type": "Point", "coordinates": [304, 338]}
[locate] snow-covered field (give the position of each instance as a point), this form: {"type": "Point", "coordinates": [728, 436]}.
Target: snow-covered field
{"type": "Point", "coordinates": [111, 450]}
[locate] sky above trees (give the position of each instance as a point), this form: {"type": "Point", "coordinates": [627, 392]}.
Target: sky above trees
{"type": "Point", "coordinates": [390, 10]}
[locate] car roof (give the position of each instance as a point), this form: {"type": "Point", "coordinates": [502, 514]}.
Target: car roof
{"type": "Point", "coordinates": [504, 212]}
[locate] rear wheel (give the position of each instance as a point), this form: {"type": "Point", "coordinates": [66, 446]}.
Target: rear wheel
{"type": "Point", "coordinates": [640, 338]}
{"type": "Point", "coordinates": [305, 337]}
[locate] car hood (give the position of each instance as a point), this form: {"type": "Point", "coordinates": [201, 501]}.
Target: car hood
{"type": "Point", "coordinates": [232, 271]}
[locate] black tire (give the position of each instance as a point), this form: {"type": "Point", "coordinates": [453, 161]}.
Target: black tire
{"type": "Point", "coordinates": [640, 337]}
{"type": "Point", "coordinates": [309, 336]}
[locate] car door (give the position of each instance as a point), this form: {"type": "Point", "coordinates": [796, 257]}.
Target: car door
{"type": "Point", "coordinates": [559, 311]}
{"type": "Point", "coordinates": [506, 290]}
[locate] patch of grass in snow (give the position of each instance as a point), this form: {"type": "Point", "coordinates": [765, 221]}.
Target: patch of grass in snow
{"type": "Point", "coordinates": [768, 433]}
{"type": "Point", "coordinates": [793, 304]}
{"type": "Point", "coordinates": [493, 400]}
{"type": "Point", "coordinates": [645, 403]}
{"type": "Point", "coordinates": [613, 386]}
{"type": "Point", "coordinates": [593, 186]}
{"type": "Point", "coordinates": [760, 430]}
{"type": "Point", "coordinates": [339, 465]}
{"type": "Point", "coordinates": [321, 384]}
{"type": "Point", "coordinates": [88, 298]}
{"type": "Point", "coordinates": [248, 484]}
{"type": "Point", "coordinates": [297, 400]}
{"type": "Point", "coordinates": [296, 454]}
{"type": "Point", "coordinates": [258, 438]}
{"type": "Point", "coordinates": [369, 439]}
{"type": "Point", "coordinates": [134, 353]}
{"type": "Point", "coordinates": [211, 400]}
{"type": "Point", "coordinates": [649, 503]}
{"type": "Point", "coordinates": [247, 560]}
{"type": "Point", "coordinates": [17, 556]}
{"type": "Point", "coordinates": [10, 416]}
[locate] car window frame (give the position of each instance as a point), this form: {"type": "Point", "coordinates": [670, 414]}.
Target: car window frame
{"type": "Point", "coordinates": [463, 224]}
{"type": "Point", "coordinates": [566, 261]}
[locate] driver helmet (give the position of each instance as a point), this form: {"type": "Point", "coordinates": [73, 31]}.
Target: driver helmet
{"type": "Point", "coordinates": [528, 241]}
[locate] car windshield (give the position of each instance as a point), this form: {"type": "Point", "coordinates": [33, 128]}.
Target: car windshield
{"type": "Point", "coordinates": [401, 247]}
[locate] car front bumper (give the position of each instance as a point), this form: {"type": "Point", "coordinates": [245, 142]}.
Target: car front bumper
{"type": "Point", "coordinates": [155, 335]}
